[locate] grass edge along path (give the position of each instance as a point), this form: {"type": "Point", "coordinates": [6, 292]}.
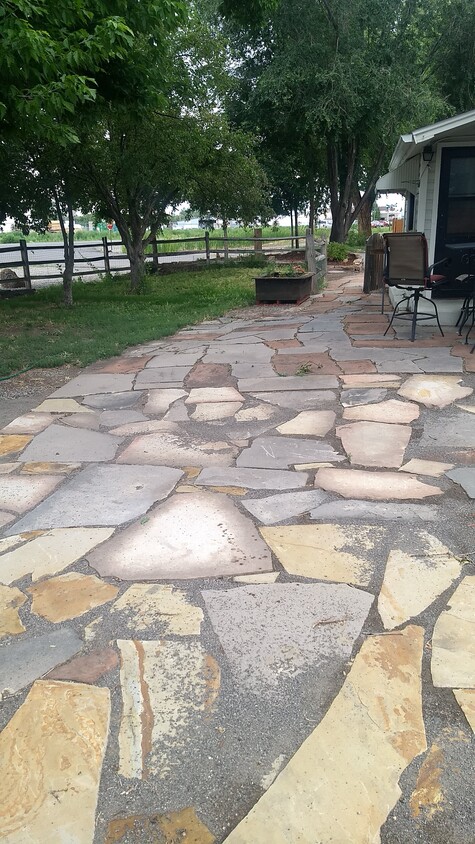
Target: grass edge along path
{"type": "Point", "coordinates": [38, 331]}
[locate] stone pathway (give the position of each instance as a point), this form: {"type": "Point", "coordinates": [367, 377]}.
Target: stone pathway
{"type": "Point", "coordinates": [237, 588]}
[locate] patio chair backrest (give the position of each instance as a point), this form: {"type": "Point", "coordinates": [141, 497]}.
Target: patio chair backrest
{"type": "Point", "coordinates": [405, 258]}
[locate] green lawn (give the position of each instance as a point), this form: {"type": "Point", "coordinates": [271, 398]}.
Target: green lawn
{"type": "Point", "coordinates": [37, 331]}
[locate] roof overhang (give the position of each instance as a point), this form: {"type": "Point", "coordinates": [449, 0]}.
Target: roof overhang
{"type": "Point", "coordinates": [408, 146]}
{"type": "Point", "coordinates": [402, 179]}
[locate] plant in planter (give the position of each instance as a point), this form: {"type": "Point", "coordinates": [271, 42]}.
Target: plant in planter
{"type": "Point", "coordinates": [292, 284]}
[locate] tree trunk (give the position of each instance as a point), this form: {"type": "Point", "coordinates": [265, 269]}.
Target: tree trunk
{"type": "Point", "coordinates": [364, 217]}
{"type": "Point", "coordinates": [341, 168]}
{"type": "Point", "coordinates": [311, 213]}
{"type": "Point", "coordinates": [68, 249]}
{"type": "Point", "coordinates": [225, 238]}
{"type": "Point", "coordinates": [136, 257]}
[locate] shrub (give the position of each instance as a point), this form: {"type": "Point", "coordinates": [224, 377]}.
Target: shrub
{"type": "Point", "coordinates": [355, 239]}
{"type": "Point", "coordinates": [337, 251]}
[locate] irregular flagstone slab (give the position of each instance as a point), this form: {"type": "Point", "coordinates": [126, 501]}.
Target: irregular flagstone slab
{"type": "Point", "coordinates": [435, 391]}
{"type": "Point", "coordinates": [304, 400]}
{"type": "Point", "coordinates": [63, 445]}
{"type": "Point", "coordinates": [313, 423]}
{"type": "Point", "coordinates": [114, 418]}
{"type": "Point", "coordinates": [61, 406]}
{"type": "Point", "coordinates": [413, 581]}
{"type": "Point", "coordinates": [48, 468]}
{"type": "Point", "coordinates": [6, 468]}
{"type": "Point", "coordinates": [210, 375]}
{"type": "Point", "coordinates": [206, 395]}
{"type": "Point", "coordinates": [86, 669]}
{"type": "Point", "coordinates": [252, 370]}
{"type": "Point", "coordinates": [270, 577]}
{"type": "Point", "coordinates": [5, 519]}
{"type": "Point", "coordinates": [466, 700]}
{"type": "Point", "coordinates": [377, 486]}
{"type": "Point", "coordinates": [177, 449]}
{"type": "Point", "coordinates": [318, 551]}
{"type": "Point", "coordinates": [30, 423]}
{"type": "Point", "coordinates": [123, 364]}
{"type": "Point", "coordinates": [11, 599]}
{"type": "Point", "coordinates": [254, 352]}
{"type": "Point", "coordinates": [343, 781]}
{"type": "Point", "coordinates": [82, 420]}
{"type": "Point", "coordinates": [353, 398]}
{"type": "Point", "coordinates": [50, 552]}
{"type": "Point", "coordinates": [160, 400]}
{"type": "Point", "coordinates": [20, 493]}
{"type": "Point", "coordinates": [449, 430]}
{"type": "Point", "coordinates": [196, 535]}
{"type": "Point", "coordinates": [161, 375]}
{"type": "Point", "coordinates": [288, 382]}
{"type": "Point", "coordinates": [258, 413]}
{"type": "Point", "coordinates": [375, 443]}
{"type": "Point", "coordinates": [144, 606]}
{"type": "Point", "coordinates": [426, 467]}
{"type": "Point", "coordinates": [371, 380]}
{"type": "Point", "coordinates": [215, 410]}
{"type": "Point", "coordinates": [69, 595]}
{"type": "Point", "coordinates": [166, 688]}
{"type": "Point", "coordinates": [301, 626]}
{"type": "Point", "coordinates": [178, 412]}
{"type": "Point", "coordinates": [52, 753]}
{"type": "Point", "coordinates": [114, 401]}
{"type": "Point", "coordinates": [282, 452]}
{"type": "Point", "coordinates": [174, 825]}
{"type": "Point", "coordinates": [173, 359]}
{"type": "Point", "coordinates": [29, 658]}
{"type": "Point", "coordinates": [13, 443]}
{"type": "Point", "coordinates": [391, 411]}
{"type": "Point", "coordinates": [108, 495]}
{"type": "Point", "coordinates": [466, 478]}
{"type": "Point", "coordinates": [453, 644]}
{"type": "Point", "coordinates": [375, 510]}
{"type": "Point", "coordinates": [277, 508]}
{"type": "Point", "coordinates": [89, 384]}
{"type": "Point", "coordinates": [252, 478]}
{"type": "Point", "coordinates": [150, 426]}
{"type": "Point", "coordinates": [470, 408]}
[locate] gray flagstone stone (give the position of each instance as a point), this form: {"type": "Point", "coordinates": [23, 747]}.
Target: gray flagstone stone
{"type": "Point", "coordinates": [26, 659]}
{"type": "Point", "coordinates": [282, 452]}
{"type": "Point", "coordinates": [374, 510]}
{"type": "Point", "coordinates": [90, 383]}
{"type": "Point", "coordinates": [277, 508]}
{"type": "Point", "coordinates": [351, 398]}
{"type": "Point", "coordinates": [304, 400]}
{"type": "Point", "coordinates": [465, 477]}
{"type": "Point", "coordinates": [115, 401]}
{"type": "Point", "coordinates": [288, 382]}
{"type": "Point", "coordinates": [252, 478]}
{"type": "Point", "coordinates": [65, 445]}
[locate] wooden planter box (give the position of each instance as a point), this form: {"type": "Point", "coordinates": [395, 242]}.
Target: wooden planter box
{"type": "Point", "coordinates": [282, 288]}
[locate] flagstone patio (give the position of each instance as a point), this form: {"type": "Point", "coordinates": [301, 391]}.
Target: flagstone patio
{"type": "Point", "coordinates": [237, 588]}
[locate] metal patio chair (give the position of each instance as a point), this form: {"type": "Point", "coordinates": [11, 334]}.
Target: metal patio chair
{"type": "Point", "coordinates": [406, 268]}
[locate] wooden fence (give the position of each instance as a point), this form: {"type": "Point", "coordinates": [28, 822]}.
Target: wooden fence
{"type": "Point", "coordinates": [206, 247]}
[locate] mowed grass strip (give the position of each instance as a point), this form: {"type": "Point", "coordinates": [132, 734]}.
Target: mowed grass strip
{"type": "Point", "coordinates": [38, 331]}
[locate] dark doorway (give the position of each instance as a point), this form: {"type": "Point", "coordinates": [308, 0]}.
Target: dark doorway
{"type": "Point", "coordinates": [456, 216]}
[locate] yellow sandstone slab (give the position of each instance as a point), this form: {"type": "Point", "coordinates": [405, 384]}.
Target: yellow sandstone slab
{"type": "Point", "coordinates": [313, 423]}
{"type": "Point", "coordinates": [174, 826]}
{"type": "Point", "coordinates": [6, 468]}
{"type": "Point", "coordinates": [270, 577]}
{"type": "Point", "coordinates": [51, 755]}
{"type": "Point", "coordinates": [231, 490]}
{"type": "Point", "coordinates": [10, 600]}
{"type": "Point", "coordinates": [343, 781]}
{"type": "Point", "coordinates": [48, 553]}
{"type": "Point", "coordinates": [13, 443]}
{"type": "Point", "coordinates": [413, 581]}
{"type": "Point", "coordinates": [434, 390]}
{"type": "Point", "coordinates": [391, 411]}
{"type": "Point", "coordinates": [466, 700]}
{"type": "Point", "coordinates": [453, 643]}
{"type": "Point", "coordinates": [69, 595]}
{"type": "Point", "coordinates": [49, 468]}
{"type": "Point", "coordinates": [62, 406]}
{"type": "Point", "coordinates": [144, 605]}
{"type": "Point", "coordinates": [318, 550]}
{"type": "Point", "coordinates": [377, 486]}
{"type": "Point", "coordinates": [432, 468]}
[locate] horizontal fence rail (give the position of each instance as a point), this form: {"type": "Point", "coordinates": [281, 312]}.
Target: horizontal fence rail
{"type": "Point", "coordinates": [108, 259]}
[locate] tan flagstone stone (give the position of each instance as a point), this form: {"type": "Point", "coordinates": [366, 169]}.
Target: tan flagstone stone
{"type": "Point", "coordinates": [185, 488]}
{"type": "Point", "coordinates": [166, 686]}
{"type": "Point", "coordinates": [61, 406]}
{"type": "Point", "coordinates": [426, 467]}
{"type": "Point", "coordinates": [375, 443]}
{"type": "Point", "coordinates": [5, 519]}
{"type": "Point", "coordinates": [413, 581]}
{"type": "Point", "coordinates": [48, 553]}
{"type": "Point", "coordinates": [470, 408]}
{"type": "Point", "coordinates": [391, 411]}
{"type": "Point", "coordinates": [371, 380]}
{"type": "Point", "coordinates": [428, 797]}
{"type": "Point", "coordinates": [343, 781]}
{"type": "Point", "coordinates": [177, 449]}
{"type": "Point", "coordinates": [19, 538]}
{"type": "Point", "coordinates": [303, 466]}
{"type": "Point", "coordinates": [434, 390]}
{"type": "Point", "coordinates": [91, 630]}
{"type": "Point", "coordinates": [314, 423]}
{"type": "Point", "coordinates": [174, 826]}
{"type": "Point", "coordinates": [48, 468]}
{"type": "Point", "coordinates": [13, 443]}
{"type": "Point", "coordinates": [151, 426]}
{"type": "Point", "coordinates": [317, 550]}
{"type": "Point", "coordinates": [192, 471]}
{"type": "Point", "coordinates": [209, 411]}
{"type": "Point", "coordinates": [69, 595]}
{"type": "Point", "coordinates": [259, 413]}
{"type": "Point", "coordinates": [270, 577]}
{"type": "Point", "coordinates": [145, 605]}
{"type": "Point", "coordinates": [466, 700]}
{"type": "Point", "coordinates": [231, 490]}
{"type": "Point", "coordinates": [206, 395]}
{"type": "Point", "coordinates": [6, 468]}
{"type": "Point", "coordinates": [30, 423]}
{"type": "Point", "coordinates": [377, 486]}
{"type": "Point", "coordinates": [22, 493]}
{"type": "Point", "coordinates": [10, 600]}
{"type": "Point", "coordinates": [453, 643]}
{"type": "Point", "coordinates": [51, 755]}
{"type": "Point", "coordinates": [159, 401]}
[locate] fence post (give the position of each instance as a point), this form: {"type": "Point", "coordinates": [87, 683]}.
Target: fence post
{"type": "Point", "coordinates": [107, 265]}
{"type": "Point", "coordinates": [207, 247]}
{"type": "Point", "coordinates": [25, 263]}
{"type": "Point", "coordinates": [374, 261]}
{"type": "Point", "coordinates": [258, 243]}
{"type": "Point", "coordinates": [310, 256]}
{"type": "Point", "coordinates": [154, 255]}
{"type": "Point", "coordinates": [225, 244]}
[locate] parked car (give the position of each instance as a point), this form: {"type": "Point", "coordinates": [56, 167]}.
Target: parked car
{"type": "Point", "coordinates": [378, 224]}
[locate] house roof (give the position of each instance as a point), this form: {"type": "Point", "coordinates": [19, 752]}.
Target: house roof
{"type": "Point", "coordinates": [460, 125]}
